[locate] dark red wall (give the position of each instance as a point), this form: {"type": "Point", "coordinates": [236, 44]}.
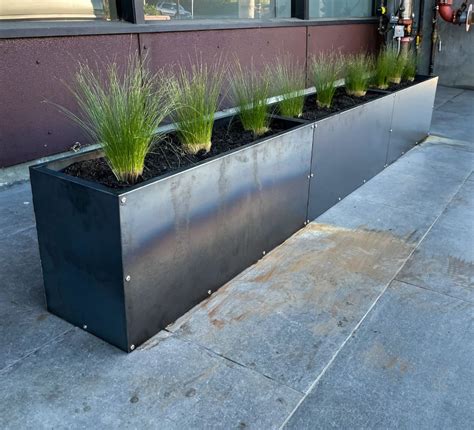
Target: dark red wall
{"type": "Point", "coordinates": [31, 71]}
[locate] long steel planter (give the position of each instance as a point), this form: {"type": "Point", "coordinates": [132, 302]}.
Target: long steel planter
{"type": "Point", "coordinates": [123, 265]}
{"type": "Point", "coordinates": [411, 118]}
{"type": "Point", "coordinates": [352, 146]}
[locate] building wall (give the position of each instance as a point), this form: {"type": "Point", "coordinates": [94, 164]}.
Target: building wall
{"type": "Point", "coordinates": [33, 71]}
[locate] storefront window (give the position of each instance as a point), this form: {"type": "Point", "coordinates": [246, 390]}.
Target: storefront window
{"type": "Point", "coordinates": [340, 8]}
{"type": "Point", "coordinates": [57, 9]}
{"type": "Point", "coordinates": [216, 9]}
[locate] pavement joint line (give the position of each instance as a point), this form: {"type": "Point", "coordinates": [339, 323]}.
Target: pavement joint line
{"type": "Point", "coordinates": [328, 365]}
{"type": "Point", "coordinates": [435, 291]}
{"type": "Point", "coordinates": [217, 354]}
{"type": "Point", "coordinates": [5, 369]}
{"type": "Point", "coordinates": [21, 230]}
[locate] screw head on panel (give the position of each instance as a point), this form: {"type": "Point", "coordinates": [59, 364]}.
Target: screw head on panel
{"type": "Point", "coordinates": [263, 253]}
{"type": "Point", "coordinates": [307, 221]}
{"type": "Point", "coordinates": [127, 278]}
{"type": "Point", "coordinates": [309, 176]}
{"type": "Point", "coordinates": [132, 347]}
{"type": "Point", "coordinates": [385, 165]}
{"type": "Point", "coordinates": [304, 223]}
{"type": "Point", "coordinates": [390, 130]}
{"type": "Point", "coordinates": [84, 327]}
{"type": "Point", "coordinates": [312, 175]}
{"type": "Point", "coordinates": [315, 125]}
{"type": "Point", "coordinates": [365, 181]}
{"type": "Point", "coordinates": [123, 200]}
{"type": "Point", "coordinates": [209, 292]}
{"type": "Point", "coordinates": [403, 153]}
{"type": "Point", "coordinates": [339, 198]}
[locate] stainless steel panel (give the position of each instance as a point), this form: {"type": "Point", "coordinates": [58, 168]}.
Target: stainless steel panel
{"type": "Point", "coordinates": [411, 121]}
{"type": "Point", "coordinates": [190, 233]}
{"type": "Point", "coordinates": [349, 148]}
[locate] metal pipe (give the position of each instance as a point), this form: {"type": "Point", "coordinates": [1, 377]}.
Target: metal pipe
{"type": "Point", "coordinates": [446, 11]}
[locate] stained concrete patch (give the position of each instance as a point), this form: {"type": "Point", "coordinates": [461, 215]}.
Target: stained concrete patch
{"type": "Point", "coordinates": [286, 316]}
{"type": "Point", "coordinates": [356, 212]}
{"type": "Point", "coordinates": [21, 278]}
{"type": "Point", "coordinates": [81, 382]}
{"type": "Point", "coordinates": [408, 366]}
{"type": "Point", "coordinates": [23, 330]}
{"type": "Point", "coordinates": [444, 261]}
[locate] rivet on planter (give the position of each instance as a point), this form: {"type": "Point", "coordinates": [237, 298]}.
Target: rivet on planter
{"type": "Point", "coordinates": [391, 130]}
{"type": "Point", "coordinates": [385, 165]}
{"type": "Point", "coordinates": [127, 278]}
{"type": "Point", "coordinates": [339, 198]}
{"type": "Point", "coordinates": [309, 176]}
{"type": "Point", "coordinates": [123, 200]}
{"type": "Point", "coordinates": [132, 347]}
{"type": "Point", "coordinates": [365, 181]}
{"type": "Point", "coordinates": [403, 153]}
{"type": "Point", "coordinates": [263, 252]}
{"type": "Point", "coordinates": [307, 221]}
{"type": "Point", "coordinates": [209, 292]}
{"type": "Point", "coordinates": [312, 175]}
{"type": "Point", "coordinates": [84, 327]}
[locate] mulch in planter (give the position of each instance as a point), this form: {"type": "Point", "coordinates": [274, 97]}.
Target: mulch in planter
{"type": "Point", "coordinates": [168, 156]}
{"type": "Point", "coordinates": [341, 102]}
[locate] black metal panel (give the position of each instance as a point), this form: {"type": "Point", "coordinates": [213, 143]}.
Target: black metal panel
{"type": "Point", "coordinates": [349, 148]}
{"type": "Point", "coordinates": [411, 121]}
{"type": "Point", "coordinates": [79, 241]}
{"type": "Point", "coordinates": [190, 233]}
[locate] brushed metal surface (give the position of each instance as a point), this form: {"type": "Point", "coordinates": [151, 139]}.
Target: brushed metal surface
{"type": "Point", "coordinates": [411, 120]}
{"type": "Point", "coordinates": [348, 149]}
{"type": "Point", "coordinates": [191, 232]}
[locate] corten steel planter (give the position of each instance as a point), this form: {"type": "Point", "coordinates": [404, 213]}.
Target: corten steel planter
{"type": "Point", "coordinates": [124, 264]}
{"type": "Point", "coordinates": [411, 119]}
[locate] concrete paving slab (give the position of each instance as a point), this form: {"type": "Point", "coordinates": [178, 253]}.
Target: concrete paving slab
{"type": "Point", "coordinates": [286, 316]}
{"type": "Point", "coordinates": [23, 330]}
{"type": "Point", "coordinates": [16, 209]}
{"type": "Point", "coordinates": [81, 382]}
{"type": "Point", "coordinates": [443, 94]}
{"type": "Point", "coordinates": [461, 145]}
{"type": "Point", "coordinates": [21, 278]}
{"type": "Point", "coordinates": [434, 159]}
{"type": "Point", "coordinates": [408, 366]}
{"type": "Point", "coordinates": [462, 105]}
{"type": "Point", "coordinates": [407, 187]}
{"type": "Point", "coordinates": [355, 212]}
{"type": "Point", "coordinates": [444, 261]}
{"type": "Point", "coordinates": [453, 125]}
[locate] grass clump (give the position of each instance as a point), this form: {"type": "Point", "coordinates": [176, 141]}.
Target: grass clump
{"type": "Point", "coordinates": [357, 74]}
{"type": "Point", "coordinates": [409, 71]}
{"type": "Point", "coordinates": [382, 70]}
{"type": "Point", "coordinates": [195, 93]}
{"type": "Point", "coordinates": [325, 70]}
{"type": "Point", "coordinates": [397, 65]}
{"type": "Point", "coordinates": [250, 91]}
{"type": "Point", "coordinates": [121, 109]}
{"type": "Point", "coordinates": [289, 78]}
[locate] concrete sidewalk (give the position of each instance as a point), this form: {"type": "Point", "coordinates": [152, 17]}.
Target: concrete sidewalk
{"type": "Point", "coordinates": [364, 319]}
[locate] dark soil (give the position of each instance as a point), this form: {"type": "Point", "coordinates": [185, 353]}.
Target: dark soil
{"type": "Point", "coordinates": [404, 84]}
{"type": "Point", "coordinates": [168, 156]}
{"type": "Point", "coordinates": [341, 102]}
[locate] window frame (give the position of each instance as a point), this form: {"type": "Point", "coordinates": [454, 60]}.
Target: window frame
{"type": "Point", "coordinates": [132, 21]}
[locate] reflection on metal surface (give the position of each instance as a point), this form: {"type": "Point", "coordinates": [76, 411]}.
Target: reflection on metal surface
{"type": "Point", "coordinates": [51, 9]}
{"type": "Point", "coordinates": [349, 147]}
{"type": "Point", "coordinates": [411, 119]}
{"type": "Point", "coordinates": [196, 230]}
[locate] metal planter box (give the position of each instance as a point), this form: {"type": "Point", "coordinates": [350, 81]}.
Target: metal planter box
{"type": "Point", "coordinates": [123, 265]}
{"type": "Point", "coordinates": [349, 148]}
{"type": "Point", "coordinates": [352, 146]}
{"type": "Point", "coordinates": [411, 119]}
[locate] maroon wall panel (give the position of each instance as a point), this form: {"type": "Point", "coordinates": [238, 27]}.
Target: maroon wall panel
{"type": "Point", "coordinates": [31, 71]}
{"type": "Point", "coordinates": [259, 44]}
{"type": "Point", "coordinates": [346, 38]}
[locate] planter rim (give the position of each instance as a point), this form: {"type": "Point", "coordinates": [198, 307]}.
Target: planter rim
{"type": "Point", "coordinates": [43, 167]}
